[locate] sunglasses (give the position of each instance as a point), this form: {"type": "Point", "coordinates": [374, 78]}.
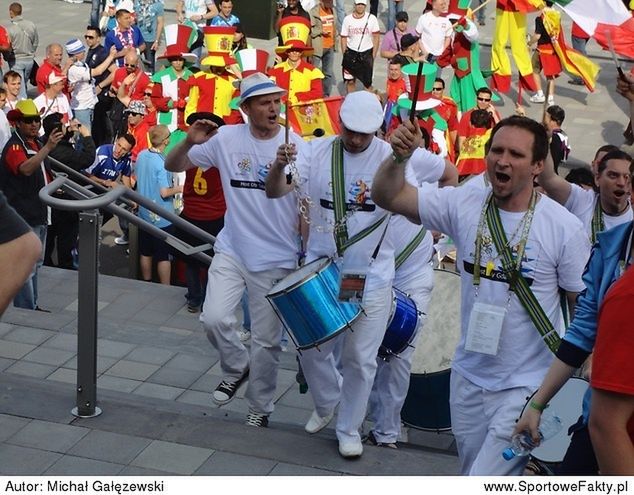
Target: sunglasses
{"type": "Point", "coordinates": [484, 99]}
{"type": "Point", "coordinates": [88, 37]}
{"type": "Point", "coordinates": [31, 120]}
{"type": "Point", "coordinates": [131, 66]}
{"type": "Point", "coordinates": [437, 89]}
{"type": "Point", "coordinates": [147, 94]}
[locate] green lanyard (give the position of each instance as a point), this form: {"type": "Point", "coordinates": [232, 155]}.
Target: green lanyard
{"type": "Point", "coordinates": [597, 224]}
{"type": "Point", "coordinates": [409, 249]}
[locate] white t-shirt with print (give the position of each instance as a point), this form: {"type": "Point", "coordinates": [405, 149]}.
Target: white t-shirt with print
{"type": "Point", "coordinates": [47, 106]}
{"type": "Point", "coordinates": [581, 203]}
{"type": "Point", "coordinates": [555, 256]}
{"type": "Point", "coordinates": [433, 30]}
{"type": "Point", "coordinates": [359, 170]}
{"type": "Point", "coordinates": [359, 36]}
{"type": "Point", "coordinates": [83, 95]}
{"type": "Point", "coordinates": [260, 232]}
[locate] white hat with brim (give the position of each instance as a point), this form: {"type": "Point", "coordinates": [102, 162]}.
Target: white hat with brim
{"type": "Point", "coordinates": [405, 102]}
{"type": "Point", "coordinates": [361, 112]}
{"type": "Point", "coordinates": [258, 84]}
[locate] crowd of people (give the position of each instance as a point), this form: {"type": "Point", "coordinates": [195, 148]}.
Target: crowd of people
{"type": "Point", "coordinates": [197, 128]}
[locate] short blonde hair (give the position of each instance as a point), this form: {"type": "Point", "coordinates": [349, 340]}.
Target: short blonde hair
{"type": "Point", "coordinates": [158, 134]}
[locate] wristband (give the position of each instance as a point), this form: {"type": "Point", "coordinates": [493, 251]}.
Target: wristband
{"type": "Point", "coordinates": [400, 159]}
{"type": "Point", "coordinates": [538, 407]}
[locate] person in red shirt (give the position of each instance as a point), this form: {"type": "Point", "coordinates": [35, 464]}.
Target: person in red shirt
{"type": "Point", "coordinates": [138, 127]}
{"type": "Point", "coordinates": [130, 78]}
{"type": "Point", "coordinates": [483, 102]}
{"type": "Point", "coordinates": [448, 110]}
{"type": "Point", "coordinates": [612, 413]}
{"type": "Point", "coordinates": [395, 84]}
{"type": "Point", "coordinates": [204, 206]}
{"type": "Point", "coordinates": [52, 64]}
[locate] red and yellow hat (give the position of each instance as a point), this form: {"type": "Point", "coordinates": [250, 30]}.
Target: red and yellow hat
{"type": "Point", "coordinates": [295, 33]}
{"type": "Point", "coordinates": [218, 41]}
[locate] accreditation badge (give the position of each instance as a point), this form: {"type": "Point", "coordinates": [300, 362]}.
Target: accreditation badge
{"type": "Point", "coordinates": [485, 328]}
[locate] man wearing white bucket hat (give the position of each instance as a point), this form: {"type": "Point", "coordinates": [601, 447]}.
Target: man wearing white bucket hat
{"type": "Point", "coordinates": [257, 247]}
{"type": "Point", "coordinates": [339, 188]}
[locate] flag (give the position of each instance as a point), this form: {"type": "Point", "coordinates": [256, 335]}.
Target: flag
{"type": "Point", "coordinates": [602, 19]}
{"type": "Point", "coordinates": [315, 118]}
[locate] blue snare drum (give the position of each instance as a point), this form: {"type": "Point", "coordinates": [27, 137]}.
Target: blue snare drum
{"type": "Point", "coordinates": [402, 325]}
{"type": "Point", "coordinates": [306, 303]}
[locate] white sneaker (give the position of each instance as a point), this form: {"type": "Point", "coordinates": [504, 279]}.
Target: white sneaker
{"type": "Point", "coordinates": [351, 449]}
{"type": "Point", "coordinates": [537, 98]}
{"type": "Point", "coordinates": [121, 241]}
{"type": "Point", "coordinates": [244, 335]}
{"type": "Point", "coordinates": [551, 100]}
{"type": "Point", "coordinates": [317, 423]}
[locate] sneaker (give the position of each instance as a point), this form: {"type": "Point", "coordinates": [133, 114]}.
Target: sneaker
{"type": "Point", "coordinates": [42, 310]}
{"type": "Point", "coordinates": [351, 449]}
{"type": "Point", "coordinates": [226, 390]}
{"type": "Point", "coordinates": [121, 241]}
{"type": "Point", "coordinates": [244, 335]}
{"type": "Point", "coordinates": [371, 440]}
{"type": "Point", "coordinates": [192, 308]}
{"type": "Point", "coordinates": [317, 423]}
{"type": "Point", "coordinates": [537, 98]}
{"type": "Point", "coordinates": [257, 420]}
{"type": "Point", "coordinates": [576, 82]}
{"type": "Point", "coordinates": [551, 100]}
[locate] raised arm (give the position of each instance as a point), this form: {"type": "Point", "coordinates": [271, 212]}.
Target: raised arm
{"type": "Point", "coordinates": [555, 186]}
{"type": "Point", "coordinates": [198, 133]}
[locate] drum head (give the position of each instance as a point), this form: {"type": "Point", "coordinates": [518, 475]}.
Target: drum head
{"type": "Point", "coordinates": [441, 332]}
{"type": "Point", "coordinates": [567, 404]}
{"type": "Point", "coordinates": [299, 276]}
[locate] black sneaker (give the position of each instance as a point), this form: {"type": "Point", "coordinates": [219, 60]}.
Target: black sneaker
{"type": "Point", "coordinates": [226, 390]}
{"type": "Point", "coordinates": [257, 420]}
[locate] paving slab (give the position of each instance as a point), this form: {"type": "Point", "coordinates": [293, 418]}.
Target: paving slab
{"type": "Point", "coordinates": [47, 435]}
{"type": "Point", "coordinates": [109, 447]}
{"type": "Point", "coordinates": [34, 370]}
{"type": "Point", "coordinates": [22, 461]}
{"type": "Point", "coordinates": [172, 457]}
{"type": "Point", "coordinates": [69, 465]}
{"type": "Point", "coordinates": [9, 425]}
{"type": "Point", "coordinates": [228, 464]}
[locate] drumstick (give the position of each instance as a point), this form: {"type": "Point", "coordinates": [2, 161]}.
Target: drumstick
{"type": "Point", "coordinates": [286, 126]}
{"type": "Point", "coordinates": [419, 73]}
{"type": "Point", "coordinates": [614, 57]}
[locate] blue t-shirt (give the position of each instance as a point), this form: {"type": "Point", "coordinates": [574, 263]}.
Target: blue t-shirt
{"type": "Point", "coordinates": [221, 21]}
{"type": "Point", "coordinates": [147, 13]}
{"type": "Point", "coordinates": [151, 176]}
{"type": "Point", "coordinates": [132, 37]}
{"type": "Point", "coordinates": [106, 167]}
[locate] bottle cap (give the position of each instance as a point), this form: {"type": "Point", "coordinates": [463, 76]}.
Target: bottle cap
{"type": "Point", "coordinates": [508, 454]}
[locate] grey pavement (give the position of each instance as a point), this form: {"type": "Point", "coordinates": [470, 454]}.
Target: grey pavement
{"type": "Point", "coordinates": [156, 369]}
{"type": "Point", "coordinates": [154, 383]}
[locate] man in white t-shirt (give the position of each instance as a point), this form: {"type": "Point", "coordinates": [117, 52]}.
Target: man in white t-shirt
{"type": "Point", "coordinates": [54, 100]}
{"type": "Point", "coordinates": [501, 357]}
{"type": "Point", "coordinates": [257, 246]}
{"type": "Point", "coordinates": [434, 29]}
{"type": "Point", "coordinates": [600, 210]}
{"type": "Point", "coordinates": [359, 37]}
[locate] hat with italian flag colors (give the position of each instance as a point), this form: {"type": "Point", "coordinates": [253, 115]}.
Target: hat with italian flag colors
{"type": "Point", "coordinates": [178, 38]}
{"type": "Point", "coordinates": [295, 33]}
{"type": "Point", "coordinates": [252, 60]}
{"type": "Point", "coordinates": [218, 41]}
{"type": "Point", "coordinates": [458, 8]}
{"type": "Point", "coordinates": [424, 100]}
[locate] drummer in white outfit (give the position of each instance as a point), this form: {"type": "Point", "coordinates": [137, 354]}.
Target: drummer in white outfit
{"type": "Point", "coordinates": [413, 276]}
{"type": "Point", "coordinates": [257, 246]}
{"type": "Point", "coordinates": [361, 117]}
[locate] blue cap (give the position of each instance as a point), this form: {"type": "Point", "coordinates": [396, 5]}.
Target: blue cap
{"type": "Point", "coordinates": [508, 454]}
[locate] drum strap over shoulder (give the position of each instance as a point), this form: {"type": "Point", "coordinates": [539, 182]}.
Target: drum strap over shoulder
{"type": "Point", "coordinates": [597, 224]}
{"type": "Point", "coordinates": [410, 248]}
{"type": "Point", "coordinates": [518, 283]}
{"type": "Point", "coordinates": [339, 204]}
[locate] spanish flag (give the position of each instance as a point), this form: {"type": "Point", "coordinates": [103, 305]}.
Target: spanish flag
{"type": "Point", "coordinates": [315, 118]}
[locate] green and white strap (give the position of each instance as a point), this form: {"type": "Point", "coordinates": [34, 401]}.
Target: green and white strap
{"type": "Point", "coordinates": [410, 248]}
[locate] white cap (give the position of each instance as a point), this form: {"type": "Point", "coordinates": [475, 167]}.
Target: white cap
{"type": "Point", "coordinates": [361, 112]}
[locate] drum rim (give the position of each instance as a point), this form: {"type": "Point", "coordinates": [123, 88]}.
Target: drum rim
{"type": "Point", "coordinates": [341, 329]}
{"type": "Point", "coordinates": [302, 281]}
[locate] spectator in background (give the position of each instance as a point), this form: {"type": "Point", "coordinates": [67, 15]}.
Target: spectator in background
{"type": "Point", "coordinates": [472, 145]}
{"type": "Point", "coordinates": [125, 37]}
{"type": "Point", "coordinates": [579, 39]}
{"type": "Point", "coordinates": [5, 127]}
{"type": "Point", "coordinates": [324, 40]}
{"type": "Point", "coordinates": [138, 126]}
{"type": "Point", "coordinates": [395, 85]}
{"type": "Point", "coordinates": [293, 7]}
{"type": "Point", "coordinates": [150, 21]}
{"type": "Point", "coordinates": [130, 83]}
{"type": "Point", "coordinates": [225, 17]}
{"type": "Point", "coordinates": [24, 41]}
{"type": "Point", "coordinates": [559, 147]}
{"type": "Point", "coordinates": [434, 29]}
{"type": "Point", "coordinates": [359, 35]}
{"type": "Point", "coordinates": [52, 64]}
{"type": "Point", "coordinates": [155, 183]}
{"type": "Point", "coordinates": [196, 13]}
{"type": "Point", "coordinates": [6, 53]}
{"type": "Point", "coordinates": [81, 83]}
{"type": "Point", "coordinates": [240, 41]}
{"type": "Point", "coordinates": [23, 172]}
{"type": "Point", "coordinates": [394, 8]}
{"type": "Point", "coordinates": [53, 99]}
{"type": "Point", "coordinates": [77, 151]}
{"type": "Point", "coordinates": [13, 83]}
{"type": "Point", "coordinates": [581, 176]}
{"type": "Point", "coordinates": [391, 44]}
{"type": "Point", "coordinates": [102, 126]}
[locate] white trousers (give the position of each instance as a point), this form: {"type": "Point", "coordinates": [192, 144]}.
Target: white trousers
{"type": "Point", "coordinates": [392, 377]}
{"type": "Point", "coordinates": [228, 279]}
{"type": "Point", "coordinates": [350, 387]}
{"type": "Point", "coordinates": [482, 423]}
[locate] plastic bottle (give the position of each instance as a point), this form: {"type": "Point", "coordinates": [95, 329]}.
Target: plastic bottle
{"type": "Point", "coordinates": [522, 444]}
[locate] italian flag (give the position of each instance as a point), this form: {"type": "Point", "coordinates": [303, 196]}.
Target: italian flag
{"type": "Point", "coordinates": [602, 19]}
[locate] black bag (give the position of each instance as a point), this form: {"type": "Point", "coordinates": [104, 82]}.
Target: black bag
{"type": "Point", "coordinates": [33, 73]}
{"type": "Point", "coordinates": [359, 65]}
{"type": "Point", "coordinates": [9, 57]}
